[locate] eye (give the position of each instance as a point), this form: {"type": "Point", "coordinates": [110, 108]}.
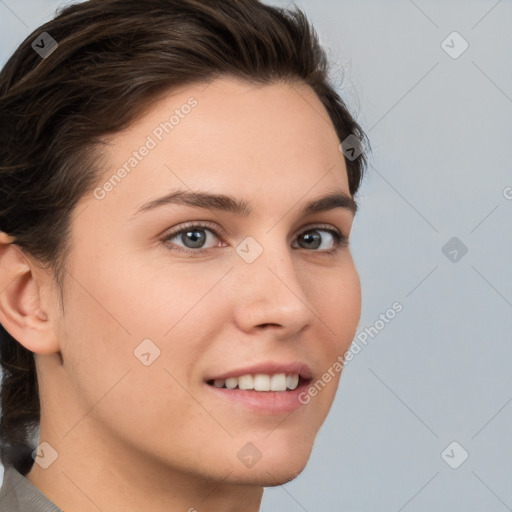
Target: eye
{"type": "Point", "coordinates": [312, 239]}
{"type": "Point", "coordinates": [198, 238]}
{"type": "Point", "coordinates": [193, 237]}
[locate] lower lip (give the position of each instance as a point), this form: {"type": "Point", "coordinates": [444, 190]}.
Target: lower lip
{"type": "Point", "coordinates": [264, 402]}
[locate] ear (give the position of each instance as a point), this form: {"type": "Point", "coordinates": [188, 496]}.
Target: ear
{"type": "Point", "coordinates": [27, 310]}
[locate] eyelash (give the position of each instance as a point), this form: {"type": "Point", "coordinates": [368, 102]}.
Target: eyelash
{"type": "Point", "coordinates": [340, 240]}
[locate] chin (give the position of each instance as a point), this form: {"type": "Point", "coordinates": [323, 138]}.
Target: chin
{"type": "Point", "coordinates": [267, 477]}
{"type": "Point", "coordinates": [283, 475]}
{"type": "Point", "coordinates": [274, 469]}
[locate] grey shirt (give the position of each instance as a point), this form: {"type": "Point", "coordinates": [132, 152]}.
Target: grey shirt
{"type": "Point", "coordinates": [19, 495]}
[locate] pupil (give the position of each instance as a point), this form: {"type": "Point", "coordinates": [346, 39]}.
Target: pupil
{"type": "Point", "coordinates": [312, 237]}
{"type": "Point", "coordinates": [196, 237]}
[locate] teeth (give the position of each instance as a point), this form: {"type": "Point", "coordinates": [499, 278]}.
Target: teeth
{"type": "Point", "coordinates": [232, 383]}
{"type": "Point", "coordinates": [278, 382]}
{"type": "Point", "coordinates": [292, 381]}
{"type": "Point", "coordinates": [246, 382]}
{"type": "Point", "coordinates": [260, 382]}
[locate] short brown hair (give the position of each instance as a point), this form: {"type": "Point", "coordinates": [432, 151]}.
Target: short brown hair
{"type": "Point", "coordinates": [114, 58]}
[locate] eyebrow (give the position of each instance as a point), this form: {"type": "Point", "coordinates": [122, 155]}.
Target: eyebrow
{"type": "Point", "coordinates": [221, 202]}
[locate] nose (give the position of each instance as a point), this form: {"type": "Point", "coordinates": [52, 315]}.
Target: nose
{"type": "Point", "coordinates": [269, 294]}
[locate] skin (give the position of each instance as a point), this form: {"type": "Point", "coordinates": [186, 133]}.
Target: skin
{"type": "Point", "coordinates": [133, 437]}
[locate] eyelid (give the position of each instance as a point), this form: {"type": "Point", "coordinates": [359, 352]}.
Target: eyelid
{"type": "Point", "coordinates": [215, 228]}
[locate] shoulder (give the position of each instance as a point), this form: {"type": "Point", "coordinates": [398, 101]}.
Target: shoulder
{"type": "Point", "coordinates": [19, 495]}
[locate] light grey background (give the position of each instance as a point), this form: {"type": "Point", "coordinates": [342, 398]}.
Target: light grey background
{"type": "Point", "coordinates": [439, 372]}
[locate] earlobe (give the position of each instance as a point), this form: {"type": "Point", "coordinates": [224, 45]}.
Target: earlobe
{"type": "Point", "coordinates": [22, 310]}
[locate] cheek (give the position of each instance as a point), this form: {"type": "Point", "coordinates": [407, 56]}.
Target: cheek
{"type": "Point", "coordinates": [348, 306]}
{"type": "Point", "coordinates": [112, 384]}
{"type": "Point", "coordinates": [155, 298]}
{"type": "Point", "coordinates": [111, 312]}
{"type": "Point", "coordinates": [337, 300]}
{"type": "Point", "coordinates": [96, 350]}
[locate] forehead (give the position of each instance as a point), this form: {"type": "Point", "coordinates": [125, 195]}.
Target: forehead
{"type": "Point", "coordinates": [228, 136]}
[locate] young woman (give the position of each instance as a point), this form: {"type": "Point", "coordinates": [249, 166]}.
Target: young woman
{"type": "Point", "coordinates": [177, 183]}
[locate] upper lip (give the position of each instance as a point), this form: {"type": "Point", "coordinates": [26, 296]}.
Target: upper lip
{"type": "Point", "coordinates": [269, 368]}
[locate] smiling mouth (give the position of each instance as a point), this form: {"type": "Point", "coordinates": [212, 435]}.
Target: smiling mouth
{"type": "Point", "coordinates": [280, 382]}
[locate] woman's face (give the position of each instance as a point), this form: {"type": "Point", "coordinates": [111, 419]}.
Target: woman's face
{"type": "Point", "coordinates": [154, 320]}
